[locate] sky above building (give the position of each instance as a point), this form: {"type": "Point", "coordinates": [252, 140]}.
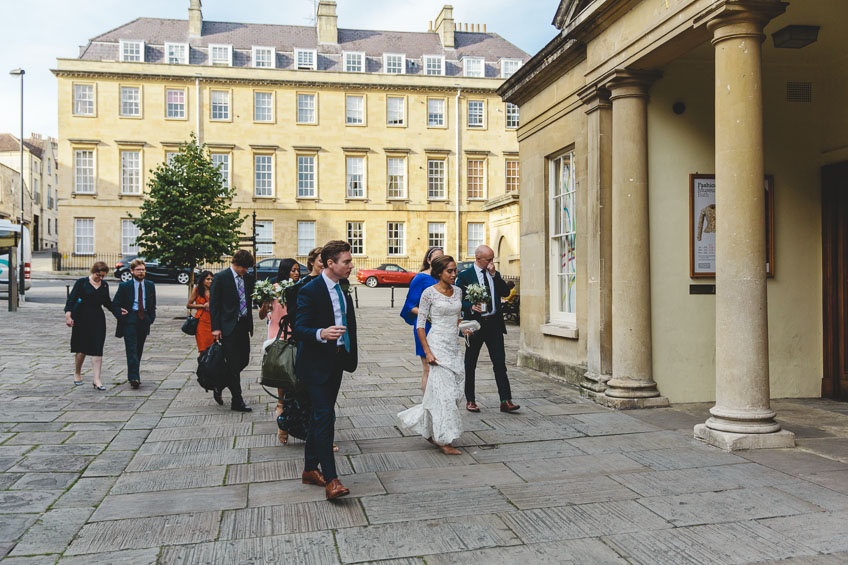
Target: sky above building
{"type": "Point", "coordinates": [34, 34]}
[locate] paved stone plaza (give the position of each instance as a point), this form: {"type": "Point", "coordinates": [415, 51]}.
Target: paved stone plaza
{"type": "Point", "coordinates": [163, 474]}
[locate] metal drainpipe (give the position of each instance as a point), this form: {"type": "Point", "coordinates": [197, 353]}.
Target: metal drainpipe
{"type": "Point", "coordinates": [458, 165]}
{"type": "Point", "coordinates": [197, 108]}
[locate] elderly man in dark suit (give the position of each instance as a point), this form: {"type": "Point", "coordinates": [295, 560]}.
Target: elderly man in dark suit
{"type": "Point", "coordinates": [135, 308]}
{"type": "Point", "coordinates": [325, 330]}
{"type": "Point", "coordinates": [492, 327]}
{"type": "Point", "coordinates": [231, 313]}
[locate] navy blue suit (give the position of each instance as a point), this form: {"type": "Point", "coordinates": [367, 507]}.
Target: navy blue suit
{"type": "Point", "coordinates": [319, 366]}
{"type": "Point", "coordinates": [131, 327]}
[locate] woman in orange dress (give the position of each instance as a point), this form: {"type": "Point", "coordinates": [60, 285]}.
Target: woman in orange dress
{"type": "Point", "coordinates": [199, 300]}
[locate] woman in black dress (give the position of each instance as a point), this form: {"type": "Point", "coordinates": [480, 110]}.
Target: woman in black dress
{"type": "Point", "coordinates": [84, 314]}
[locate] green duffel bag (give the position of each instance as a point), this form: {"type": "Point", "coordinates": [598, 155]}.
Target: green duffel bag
{"type": "Point", "coordinates": [278, 361]}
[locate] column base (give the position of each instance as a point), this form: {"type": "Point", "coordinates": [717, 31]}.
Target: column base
{"type": "Point", "coordinates": [631, 403]}
{"type": "Point", "coordinates": [730, 441]}
{"type": "Point", "coordinates": [631, 389]}
{"type": "Point", "coordinates": [593, 382]}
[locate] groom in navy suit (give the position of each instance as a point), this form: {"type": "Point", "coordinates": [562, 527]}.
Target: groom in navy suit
{"type": "Point", "coordinates": [325, 330]}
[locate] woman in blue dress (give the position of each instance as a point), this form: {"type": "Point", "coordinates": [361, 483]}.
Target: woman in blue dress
{"type": "Point", "coordinates": [422, 281]}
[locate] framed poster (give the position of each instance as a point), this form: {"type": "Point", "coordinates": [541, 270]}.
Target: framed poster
{"type": "Point", "coordinates": [702, 225]}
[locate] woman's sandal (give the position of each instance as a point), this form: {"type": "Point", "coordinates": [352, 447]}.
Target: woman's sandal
{"type": "Point", "coordinates": [283, 436]}
{"type": "Point", "coordinates": [449, 450]}
{"type": "Point", "coordinates": [98, 387]}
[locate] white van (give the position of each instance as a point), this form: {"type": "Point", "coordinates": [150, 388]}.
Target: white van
{"type": "Point", "coordinates": [24, 257]}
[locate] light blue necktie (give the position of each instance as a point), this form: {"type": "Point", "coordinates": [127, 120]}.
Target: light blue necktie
{"type": "Point", "coordinates": [343, 306]}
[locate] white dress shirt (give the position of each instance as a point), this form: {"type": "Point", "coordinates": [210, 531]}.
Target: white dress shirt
{"type": "Point", "coordinates": [337, 307]}
{"type": "Point", "coordinates": [488, 283]}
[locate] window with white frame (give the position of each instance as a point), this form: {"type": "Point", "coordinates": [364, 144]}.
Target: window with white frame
{"type": "Point", "coordinates": [263, 106]}
{"type": "Point", "coordinates": [473, 66]}
{"type": "Point", "coordinates": [476, 110]}
{"type": "Point", "coordinates": [177, 53]}
{"type": "Point", "coordinates": [356, 237]}
{"type": "Point", "coordinates": [131, 101]}
{"type": "Point", "coordinates": [436, 179]}
{"type": "Point", "coordinates": [355, 110]}
{"type": "Point", "coordinates": [395, 110]}
{"type": "Point", "coordinates": [132, 51]}
{"type": "Point", "coordinates": [396, 181]}
{"type": "Point", "coordinates": [169, 156]}
{"type": "Point", "coordinates": [562, 263]}
{"type": "Point", "coordinates": [511, 175]}
{"type": "Point", "coordinates": [396, 238]}
{"type": "Point", "coordinates": [394, 64]}
{"type": "Point", "coordinates": [305, 238]}
{"type": "Point", "coordinates": [305, 59]}
{"type": "Point", "coordinates": [263, 175]}
{"type": "Point", "coordinates": [175, 103]}
{"type": "Point", "coordinates": [84, 171]}
{"type": "Point", "coordinates": [434, 65]}
{"type": "Point", "coordinates": [264, 233]}
{"type": "Point", "coordinates": [84, 99]}
{"type": "Point", "coordinates": [511, 116]}
{"type": "Point", "coordinates": [436, 112]}
{"type": "Point", "coordinates": [476, 179]}
{"type": "Point", "coordinates": [84, 236]}
{"type": "Point", "coordinates": [129, 233]}
{"type": "Point", "coordinates": [263, 57]}
{"type": "Point", "coordinates": [355, 177]}
{"type": "Point", "coordinates": [476, 236]}
{"type": "Point", "coordinates": [221, 55]}
{"type": "Point", "coordinates": [130, 172]}
{"type": "Point", "coordinates": [306, 109]}
{"type": "Point", "coordinates": [509, 66]}
{"type": "Point", "coordinates": [220, 106]}
{"type": "Point", "coordinates": [354, 62]}
{"type": "Point", "coordinates": [436, 234]}
{"type": "Point", "coordinates": [222, 161]}
{"type": "Point", "coordinates": [306, 176]}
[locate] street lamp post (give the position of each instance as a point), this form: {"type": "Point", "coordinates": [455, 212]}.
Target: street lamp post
{"type": "Point", "coordinates": [21, 289]}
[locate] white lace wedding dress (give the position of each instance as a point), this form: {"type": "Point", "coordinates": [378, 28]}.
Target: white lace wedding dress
{"type": "Point", "coordinates": [438, 416]}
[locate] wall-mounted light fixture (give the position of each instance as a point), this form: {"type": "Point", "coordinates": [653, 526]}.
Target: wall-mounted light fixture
{"type": "Point", "coordinates": [795, 36]}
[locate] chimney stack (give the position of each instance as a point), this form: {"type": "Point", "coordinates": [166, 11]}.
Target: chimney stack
{"type": "Point", "coordinates": [445, 26]}
{"type": "Point", "coordinates": [195, 19]}
{"type": "Point", "coordinates": [327, 22]}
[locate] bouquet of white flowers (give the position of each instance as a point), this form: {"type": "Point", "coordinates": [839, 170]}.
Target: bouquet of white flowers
{"type": "Point", "coordinates": [477, 294]}
{"type": "Point", "coordinates": [263, 291]}
{"type": "Point", "coordinates": [280, 290]}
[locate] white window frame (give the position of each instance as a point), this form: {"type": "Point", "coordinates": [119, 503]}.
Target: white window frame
{"type": "Point", "coordinates": [441, 64]}
{"type": "Point", "coordinates": [558, 235]}
{"type": "Point", "coordinates": [224, 160]}
{"type": "Point", "coordinates": [264, 237]}
{"type": "Point", "coordinates": [467, 71]}
{"type": "Point", "coordinates": [89, 238]}
{"type": "Point", "coordinates": [396, 172]}
{"type": "Point", "coordinates": [471, 245]}
{"type": "Point", "coordinates": [129, 230]}
{"type": "Point", "coordinates": [355, 232]}
{"type": "Point", "coordinates": [353, 54]}
{"type": "Point", "coordinates": [212, 105]}
{"type": "Point", "coordinates": [443, 122]}
{"type": "Point", "coordinates": [348, 121]}
{"type": "Point", "coordinates": [314, 108]}
{"type": "Point", "coordinates": [403, 111]}
{"type": "Point", "coordinates": [313, 66]}
{"type": "Point", "coordinates": [505, 73]}
{"type": "Point", "coordinates": [442, 180]}
{"type": "Point", "coordinates": [211, 54]}
{"type": "Point", "coordinates": [362, 193]}
{"type": "Point", "coordinates": [254, 57]}
{"type": "Point", "coordinates": [386, 63]}
{"type": "Point", "coordinates": [183, 113]}
{"type": "Point", "coordinates": [468, 178]}
{"type": "Point", "coordinates": [131, 180]}
{"type": "Point", "coordinates": [122, 110]}
{"type": "Point", "coordinates": [79, 100]}
{"type": "Point", "coordinates": [512, 116]}
{"type": "Point", "coordinates": [307, 180]}
{"type": "Point", "coordinates": [260, 188]}
{"type": "Point", "coordinates": [482, 115]}
{"type": "Point", "coordinates": [81, 178]}
{"type": "Point", "coordinates": [436, 237]}
{"type": "Point", "coordinates": [304, 244]}
{"type": "Point", "coordinates": [508, 178]}
{"type": "Point", "coordinates": [124, 43]}
{"type": "Point", "coordinates": [181, 60]}
{"type": "Point", "coordinates": [399, 239]}
{"type": "Point", "coordinates": [169, 156]}
{"type": "Point", "coordinates": [269, 108]}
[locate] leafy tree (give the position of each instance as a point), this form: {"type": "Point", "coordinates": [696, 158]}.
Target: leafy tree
{"type": "Point", "coordinates": [186, 219]}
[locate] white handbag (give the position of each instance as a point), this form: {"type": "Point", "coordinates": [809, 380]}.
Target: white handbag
{"type": "Point", "coordinates": [472, 325]}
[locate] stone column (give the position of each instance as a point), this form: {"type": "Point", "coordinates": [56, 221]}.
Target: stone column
{"type": "Point", "coordinates": [632, 384]}
{"type": "Point", "coordinates": [598, 240]}
{"type": "Point", "coordinates": [742, 417]}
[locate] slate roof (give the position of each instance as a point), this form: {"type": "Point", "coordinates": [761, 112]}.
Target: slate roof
{"type": "Point", "coordinates": [9, 142]}
{"type": "Point", "coordinates": [285, 38]}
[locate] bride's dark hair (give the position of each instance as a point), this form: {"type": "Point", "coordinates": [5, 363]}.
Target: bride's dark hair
{"type": "Point", "coordinates": [439, 264]}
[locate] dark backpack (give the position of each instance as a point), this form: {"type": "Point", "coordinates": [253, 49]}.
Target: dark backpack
{"type": "Point", "coordinates": [212, 368]}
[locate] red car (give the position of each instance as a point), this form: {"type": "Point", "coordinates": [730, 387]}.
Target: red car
{"type": "Point", "coordinates": [387, 273]}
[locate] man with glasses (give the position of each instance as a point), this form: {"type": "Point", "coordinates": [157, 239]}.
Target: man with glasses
{"type": "Point", "coordinates": [135, 308]}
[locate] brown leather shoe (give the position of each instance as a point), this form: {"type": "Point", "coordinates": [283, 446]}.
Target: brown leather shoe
{"type": "Point", "coordinates": [335, 489]}
{"type": "Point", "coordinates": [471, 407]}
{"type": "Point", "coordinates": [313, 478]}
{"type": "Point", "coordinates": [508, 406]}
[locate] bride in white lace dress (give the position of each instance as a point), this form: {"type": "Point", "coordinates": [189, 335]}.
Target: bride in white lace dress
{"type": "Point", "coordinates": [438, 418]}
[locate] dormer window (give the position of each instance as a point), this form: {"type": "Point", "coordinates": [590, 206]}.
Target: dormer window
{"type": "Point", "coordinates": [306, 59]}
{"type": "Point", "coordinates": [177, 53]}
{"type": "Point", "coordinates": [132, 51]}
{"type": "Point", "coordinates": [473, 66]}
{"type": "Point", "coordinates": [434, 65]}
{"type": "Point", "coordinates": [264, 57]}
{"type": "Point", "coordinates": [394, 64]}
{"type": "Point", "coordinates": [354, 62]}
{"type": "Point", "coordinates": [509, 66]}
{"type": "Point", "coordinates": [221, 55]}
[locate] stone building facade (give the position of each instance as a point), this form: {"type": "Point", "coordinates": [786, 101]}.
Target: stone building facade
{"type": "Point", "coordinates": [392, 140]}
{"type": "Point", "coordinates": [632, 110]}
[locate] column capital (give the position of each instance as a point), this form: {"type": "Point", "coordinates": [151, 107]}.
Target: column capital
{"type": "Point", "coordinates": [732, 19]}
{"type": "Point", "coordinates": [594, 97]}
{"type": "Point", "coordinates": [626, 83]}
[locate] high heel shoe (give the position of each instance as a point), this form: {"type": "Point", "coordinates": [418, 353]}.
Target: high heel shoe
{"type": "Point", "coordinates": [98, 387]}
